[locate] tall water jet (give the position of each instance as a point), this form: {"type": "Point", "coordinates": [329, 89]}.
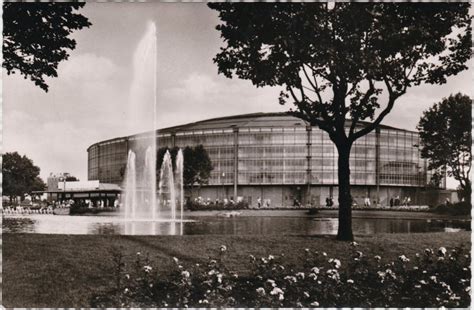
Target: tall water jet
{"type": "Point", "coordinates": [180, 182]}
{"type": "Point", "coordinates": [150, 179]}
{"type": "Point", "coordinates": [130, 186]}
{"type": "Point", "coordinates": [167, 189]}
{"type": "Point", "coordinates": [143, 100]}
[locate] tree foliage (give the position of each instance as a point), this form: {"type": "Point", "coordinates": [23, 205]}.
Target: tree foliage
{"type": "Point", "coordinates": [36, 37]}
{"type": "Point", "coordinates": [20, 175]}
{"type": "Point", "coordinates": [445, 133]}
{"type": "Point", "coordinates": [336, 64]}
{"type": "Point", "coordinates": [71, 178]}
{"type": "Point", "coordinates": [197, 164]}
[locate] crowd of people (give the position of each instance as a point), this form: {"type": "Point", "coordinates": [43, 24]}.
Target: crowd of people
{"type": "Point", "coordinates": [225, 201]}
{"type": "Point", "coordinates": [396, 202]}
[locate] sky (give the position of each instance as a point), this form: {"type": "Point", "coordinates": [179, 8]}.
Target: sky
{"type": "Point", "coordinates": [90, 99]}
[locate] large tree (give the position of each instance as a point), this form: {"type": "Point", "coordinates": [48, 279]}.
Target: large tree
{"type": "Point", "coordinates": [20, 176]}
{"type": "Point", "coordinates": [445, 133]}
{"type": "Point", "coordinates": [36, 37]}
{"type": "Point", "coordinates": [344, 64]}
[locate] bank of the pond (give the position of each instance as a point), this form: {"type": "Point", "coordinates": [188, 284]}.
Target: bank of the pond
{"type": "Point", "coordinates": [67, 270]}
{"type": "Point", "coordinates": [330, 213]}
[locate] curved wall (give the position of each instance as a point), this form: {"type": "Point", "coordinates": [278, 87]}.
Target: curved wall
{"type": "Point", "coordinates": [276, 150]}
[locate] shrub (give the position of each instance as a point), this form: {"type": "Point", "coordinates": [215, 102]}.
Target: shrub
{"type": "Point", "coordinates": [433, 278]}
{"type": "Point", "coordinates": [459, 208]}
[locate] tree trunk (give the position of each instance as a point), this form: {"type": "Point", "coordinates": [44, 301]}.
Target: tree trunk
{"type": "Point", "coordinates": [344, 231]}
{"type": "Point", "coordinates": [466, 190]}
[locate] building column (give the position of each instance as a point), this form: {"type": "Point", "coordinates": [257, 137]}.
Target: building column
{"type": "Point", "coordinates": [236, 161]}
{"type": "Point", "coordinates": [308, 165]}
{"type": "Point", "coordinates": [173, 140]}
{"type": "Point", "coordinates": [377, 162]}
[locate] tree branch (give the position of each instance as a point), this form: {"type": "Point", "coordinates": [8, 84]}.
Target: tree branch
{"type": "Point", "coordinates": [391, 101]}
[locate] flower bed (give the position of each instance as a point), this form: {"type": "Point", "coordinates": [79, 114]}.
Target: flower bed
{"type": "Point", "coordinates": [433, 278]}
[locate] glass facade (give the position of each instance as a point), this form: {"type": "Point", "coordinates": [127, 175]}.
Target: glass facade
{"type": "Point", "coordinates": [279, 154]}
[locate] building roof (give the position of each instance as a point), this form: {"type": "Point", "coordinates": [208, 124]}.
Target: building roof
{"type": "Point", "coordinates": [103, 187]}
{"type": "Point", "coordinates": [274, 119]}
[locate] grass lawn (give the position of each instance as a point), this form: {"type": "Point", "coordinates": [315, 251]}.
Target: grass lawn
{"type": "Point", "coordinates": [67, 270]}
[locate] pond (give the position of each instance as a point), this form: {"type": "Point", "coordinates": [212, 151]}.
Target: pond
{"type": "Point", "coordinates": [216, 225]}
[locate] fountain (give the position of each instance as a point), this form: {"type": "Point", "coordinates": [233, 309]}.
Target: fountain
{"type": "Point", "coordinates": [140, 193]}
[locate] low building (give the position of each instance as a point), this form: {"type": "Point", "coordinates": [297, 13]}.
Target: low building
{"type": "Point", "coordinates": [104, 194]}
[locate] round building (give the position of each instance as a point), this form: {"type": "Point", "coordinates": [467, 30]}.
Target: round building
{"type": "Point", "coordinates": [279, 159]}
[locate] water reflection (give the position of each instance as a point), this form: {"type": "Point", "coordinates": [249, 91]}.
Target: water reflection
{"type": "Point", "coordinates": [244, 225]}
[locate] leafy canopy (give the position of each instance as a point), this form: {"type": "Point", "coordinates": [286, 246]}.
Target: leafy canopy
{"type": "Point", "coordinates": [445, 134]}
{"type": "Point", "coordinates": [334, 63]}
{"type": "Point", "coordinates": [20, 175]}
{"type": "Point", "coordinates": [36, 37]}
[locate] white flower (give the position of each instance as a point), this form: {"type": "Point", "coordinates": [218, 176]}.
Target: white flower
{"type": "Point", "coordinates": [403, 259]}
{"type": "Point", "coordinates": [264, 260]}
{"type": "Point", "coordinates": [315, 304]}
{"type": "Point", "coordinates": [281, 297]}
{"type": "Point", "coordinates": [335, 262]}
{"type": "Point", "coordinates": [305, 294]}
{"type": "Point", "coordinates": [313, 276]}
{"type": "Point", "coordinates": [350, 281]}
{"type": "Point", "coordinates": [415, 268]}
{"type": "Point", "coordinates": [417, 286]}
{"type": "Point", "coordinates": [260, 291]}
{"type": "Point", "coordinates": [175, 260]}
{"type": "Point", "coordinates": [185, 274]}
{"type": "Point", "coordinates": [276, 291]}
{"type": "Point", "coordinates": [353, 243]}
{"type": "Point", "coordinates": [442, 251]}
{"type": "Point", "coordinates": [223, 248]}
{"type": "Point", "coordinates": [324, 254]}
{"type": "Point", "coordinates": [434, 279]}
{"type": "Point", "coordinates": [271, 257]}
{"type": "Point", "coordinates": [333, 274]}
{"type": "Point", "coordinates": [219, 277]}
{"type": "Point", "coordinates": [423, 282]}
{"type": "Point", "coordinates": [271, 282]}
{"type": "Point", "coordinates": [300, 275]}
{"type": "Point", "coordinates": [138, 253]}
{"type": "Point", "coordinates": [306, 250]}
{"type": "Point", "coordinates": [203, 301]}
{"type": "Point", "coordinates": [290, 279]}
{"type": "Point", "coordinates": [211, 272]}
{"type": "Point", "coordinates": [377, 257]}
{"type": "Point", "coordinates": [315, 270]}
{"type": "Point", "coordinates": [126, 290]}
{"type": "Point", "coordinates": [127, 276]}
{"type": "Point", "coordinates": [428, 251]}
{"type": "Point", "coordinates": [252, 257]}
{"type": "Point", "coordinates": [147, 268]}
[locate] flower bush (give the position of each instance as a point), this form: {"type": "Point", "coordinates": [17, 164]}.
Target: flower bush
{"type": "Point", "coordinates": [433, 278]}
